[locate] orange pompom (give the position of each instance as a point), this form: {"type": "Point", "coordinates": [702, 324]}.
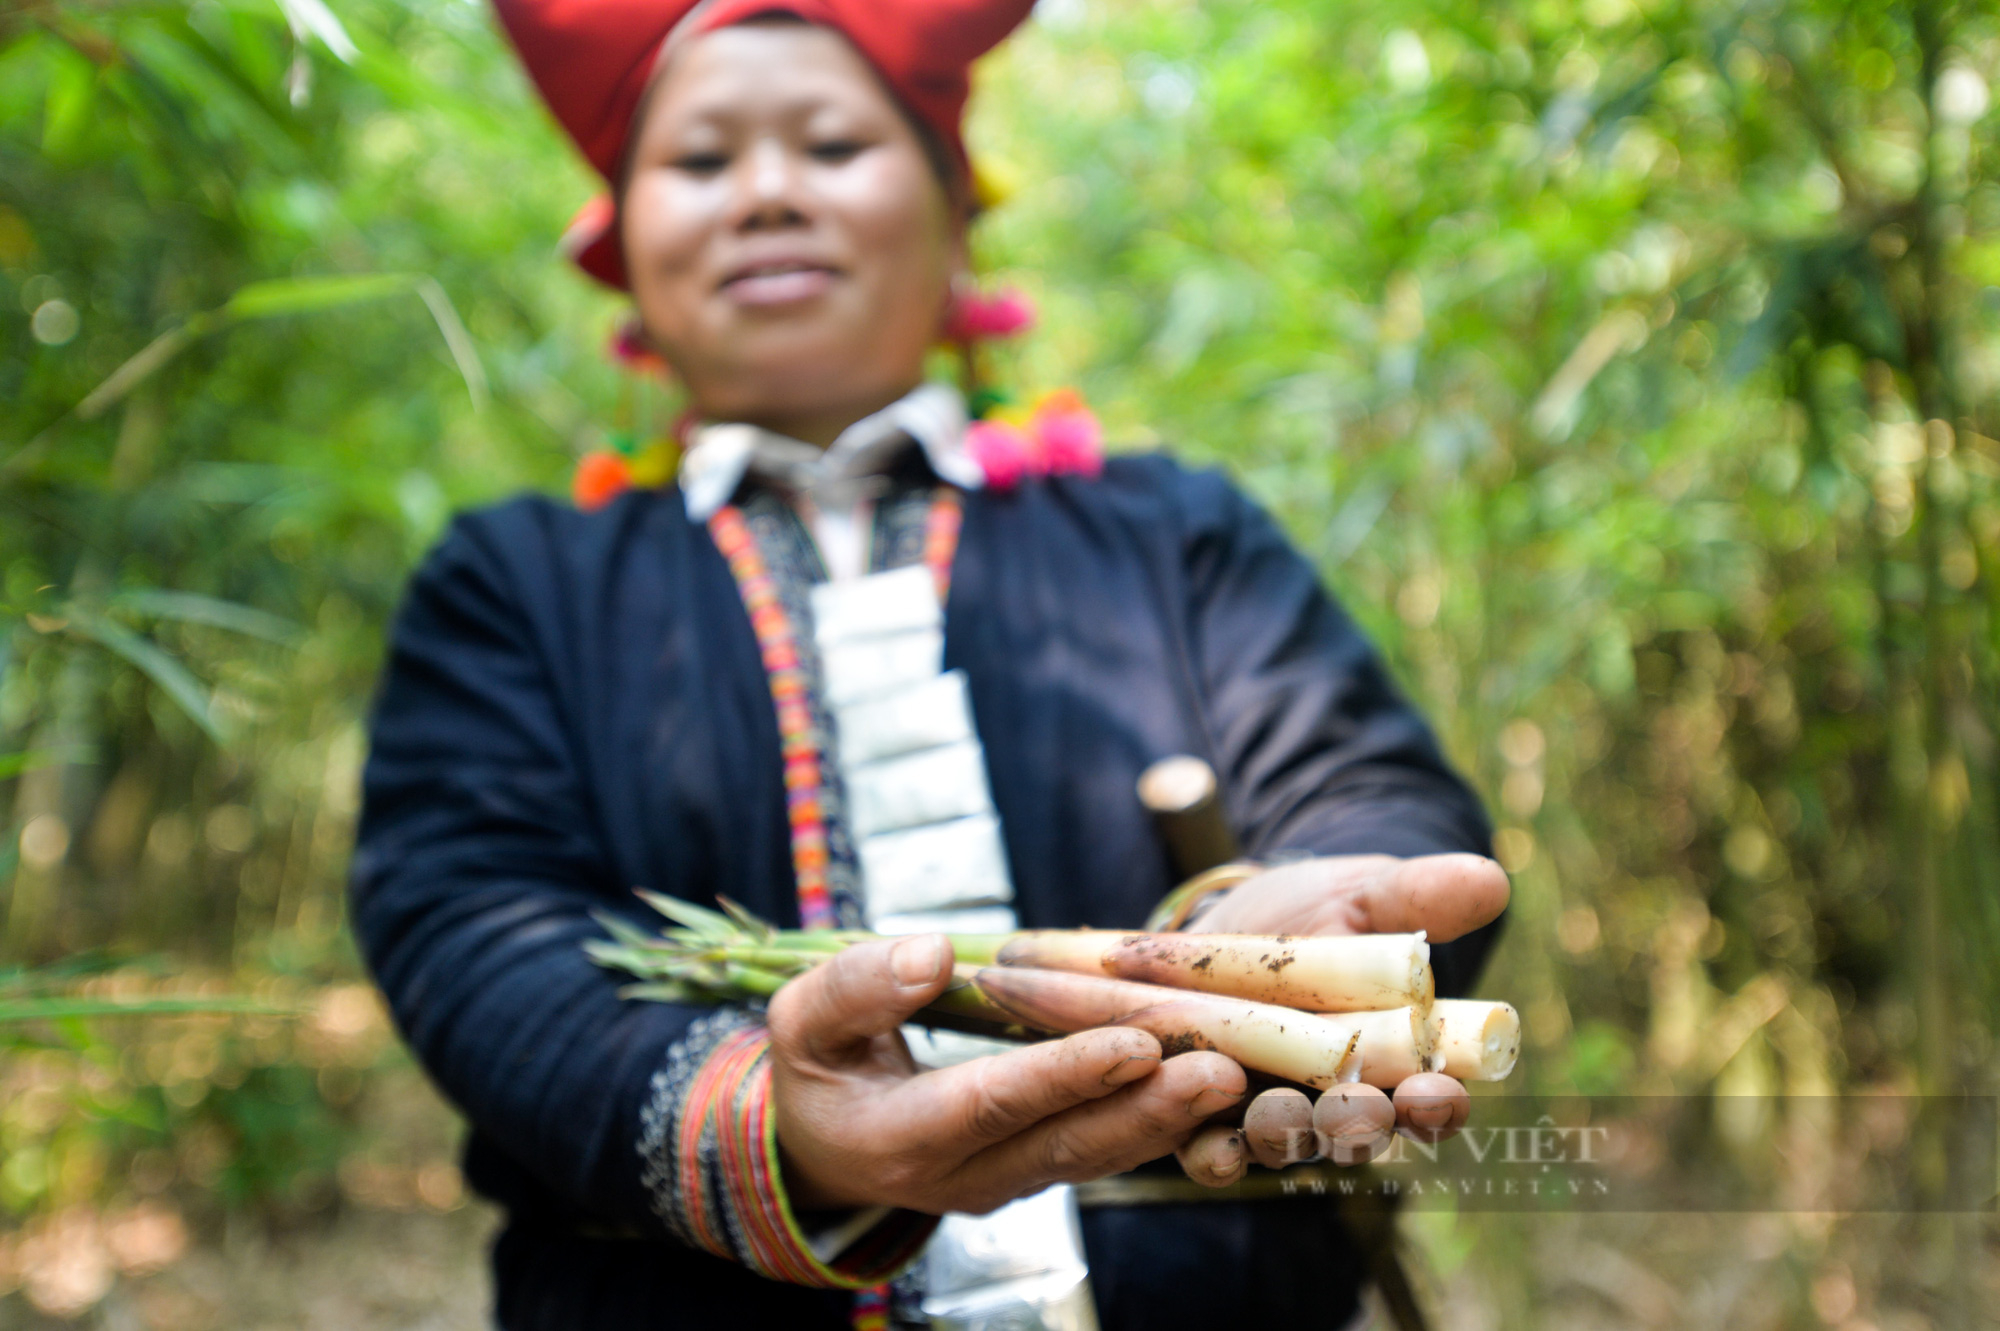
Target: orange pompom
{"type": "Point", "coordinates": [600, 478]}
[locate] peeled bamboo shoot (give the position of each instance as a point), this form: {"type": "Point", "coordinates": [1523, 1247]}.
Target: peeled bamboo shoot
{"type": "Point", "coordinates": [1474, 1040]}
{"type": "Point", "coordinates": [1350, 973]}
{"type": "Point", "coordinates": [1297, 1046]}
{"type": "Point", "coordinates": [1393, 1045]}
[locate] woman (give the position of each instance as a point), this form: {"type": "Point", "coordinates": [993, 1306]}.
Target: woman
{"type": "Point", "coordinates": [577, 703]}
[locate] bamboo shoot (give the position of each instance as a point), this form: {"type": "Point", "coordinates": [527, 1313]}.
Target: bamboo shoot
{"type": "Point", "coordinates": [1296, 1046]}
{"type": "Point", "coordinates": [1474, 1040]}
{"type": "Point", "coordinates": [1349, 973]}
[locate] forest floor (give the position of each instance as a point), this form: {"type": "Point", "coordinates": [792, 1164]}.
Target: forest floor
{"type": "Point", "coordinates": [410, 1256]}
{"type": "Point", "coordinates": [373, 1270]}
{"type": "Point", "coordinates": [423, 1271]}
{"type": "Point", "coordinates": [364, 1270]}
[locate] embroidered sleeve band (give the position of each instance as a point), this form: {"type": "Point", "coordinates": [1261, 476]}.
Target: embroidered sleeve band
{"type": "Point", "coordinates": [711, 1163]}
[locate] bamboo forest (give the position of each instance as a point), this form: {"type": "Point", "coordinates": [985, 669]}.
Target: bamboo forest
{"type": "Point", "coordinates": [1629, 369]}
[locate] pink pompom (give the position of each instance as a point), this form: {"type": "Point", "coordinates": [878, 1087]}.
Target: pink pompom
{"type": "Point", "coordinates": [979, 318]}
{"type": "Point", "coordinates": [1003, 451]}
{"type": "Point", "coordinates": [1069, 440]}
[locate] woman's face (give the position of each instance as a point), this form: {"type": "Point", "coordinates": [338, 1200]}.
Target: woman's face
{"type": "Point", "coordinates": [791, 248]}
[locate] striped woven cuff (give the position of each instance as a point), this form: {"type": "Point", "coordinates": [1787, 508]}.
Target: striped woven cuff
{"type": "Point", "coordinates": [710, 1151]}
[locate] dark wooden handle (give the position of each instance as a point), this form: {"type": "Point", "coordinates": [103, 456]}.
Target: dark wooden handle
{"type": "Point", "coordinates": [1185, 799]}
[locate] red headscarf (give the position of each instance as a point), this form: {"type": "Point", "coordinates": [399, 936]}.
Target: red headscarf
{"type": "Point", "coordinates": [592, 59]}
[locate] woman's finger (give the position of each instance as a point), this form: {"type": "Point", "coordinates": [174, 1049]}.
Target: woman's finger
{"type": "Point", "coordinates": [1215, 1156]}
{"type": "Point", "coordinates": [832, 1012]}
{"type": "Point", "coordinates": [1278, 1128]}
{"type": "Point", "coordinates": [1446, 896]}
{"type": "Point", "coordinates": [1353, 1123]}
{"type": "Point", "coordinates": [971, 1106]}
{"type": "Point", "coordinates": [1140, 1122]}
{"type": "Point", "coordinates": [1431, 1107]}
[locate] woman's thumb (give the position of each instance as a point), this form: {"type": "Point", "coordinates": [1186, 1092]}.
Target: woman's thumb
{"type": "Point", "coordinates": [868, 990]}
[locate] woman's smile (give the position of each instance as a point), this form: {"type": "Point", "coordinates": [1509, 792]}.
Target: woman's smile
{"type": "Point", "coordinates": [775, 281]}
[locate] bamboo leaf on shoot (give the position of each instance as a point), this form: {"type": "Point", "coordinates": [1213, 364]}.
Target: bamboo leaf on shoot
{"type": "Point", "coordinates": [625, 933]}
{"type": "Point", "coordinates": [662, 991]}
{"type": "Point", "coordinates": [699, 919]}
{"type": "Point", "coordinates": [750, 924]}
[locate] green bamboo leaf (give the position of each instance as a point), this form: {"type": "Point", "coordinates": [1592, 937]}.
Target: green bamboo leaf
{"type": "Point", "coordinates": [143, 1114]}
{"type": "Point", "coordinates": [28, 979]}
{"type": "Point", "coordinates": [13, 764]}
{"type": "Point", "coordinates": [457, 340]}
{"type": "Point", "coordinates": [194, 608]}
{"type": "Point", "coordinates": [308, 295]}
{"type": "Point", "coordinates": [312, 16]}
{"type": "Point", "coordinates": [173, 678]}
{"type": "Point", "coordinates": [272, 299]}
{"type": "Point", "coordinates": [1781, 313]}
{"type": "Point", "coordinates": [146, 362]}
{"type": "Point", "coordinates": [69, 1009]}
{"type": "Point", "coordinates": [16, 1039]}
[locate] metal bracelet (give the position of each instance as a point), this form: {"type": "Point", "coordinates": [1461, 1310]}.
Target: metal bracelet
{"type": "Point", "coordinates": [1177, 907]}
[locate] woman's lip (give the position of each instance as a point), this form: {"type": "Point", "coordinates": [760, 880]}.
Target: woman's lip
{"type": "Point", "coordinates": [779, 288]}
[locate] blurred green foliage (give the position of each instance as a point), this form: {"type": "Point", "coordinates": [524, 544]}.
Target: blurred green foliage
{"type": "Point", "coordinates": [1629, 366]}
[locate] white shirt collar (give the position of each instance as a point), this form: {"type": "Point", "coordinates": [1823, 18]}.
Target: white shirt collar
{"type": "Point", "coordinates": [932, 414]}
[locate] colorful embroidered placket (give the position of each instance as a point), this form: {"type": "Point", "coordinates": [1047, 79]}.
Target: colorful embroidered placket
{"type": "Point", "coordinates": [778, 642]}
{"type": "Point", "coordinates": [708, 1137]}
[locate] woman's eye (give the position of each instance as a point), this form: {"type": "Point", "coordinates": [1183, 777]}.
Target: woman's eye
{"type": "Point", "coordinates": [836, 151]}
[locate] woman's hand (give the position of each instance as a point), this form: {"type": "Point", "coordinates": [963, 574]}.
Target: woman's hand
{"type": "Point", "coordinates": [859, 1124]}
{"type": "Point", "coordinates": [1444, 895]}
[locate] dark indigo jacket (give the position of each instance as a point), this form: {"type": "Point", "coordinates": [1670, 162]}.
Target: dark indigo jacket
{"type": "Point", "coordinates": [574, 705]}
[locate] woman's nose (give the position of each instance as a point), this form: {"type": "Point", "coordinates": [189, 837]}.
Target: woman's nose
{"type": "Point", "coordinates": [770, 187]}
